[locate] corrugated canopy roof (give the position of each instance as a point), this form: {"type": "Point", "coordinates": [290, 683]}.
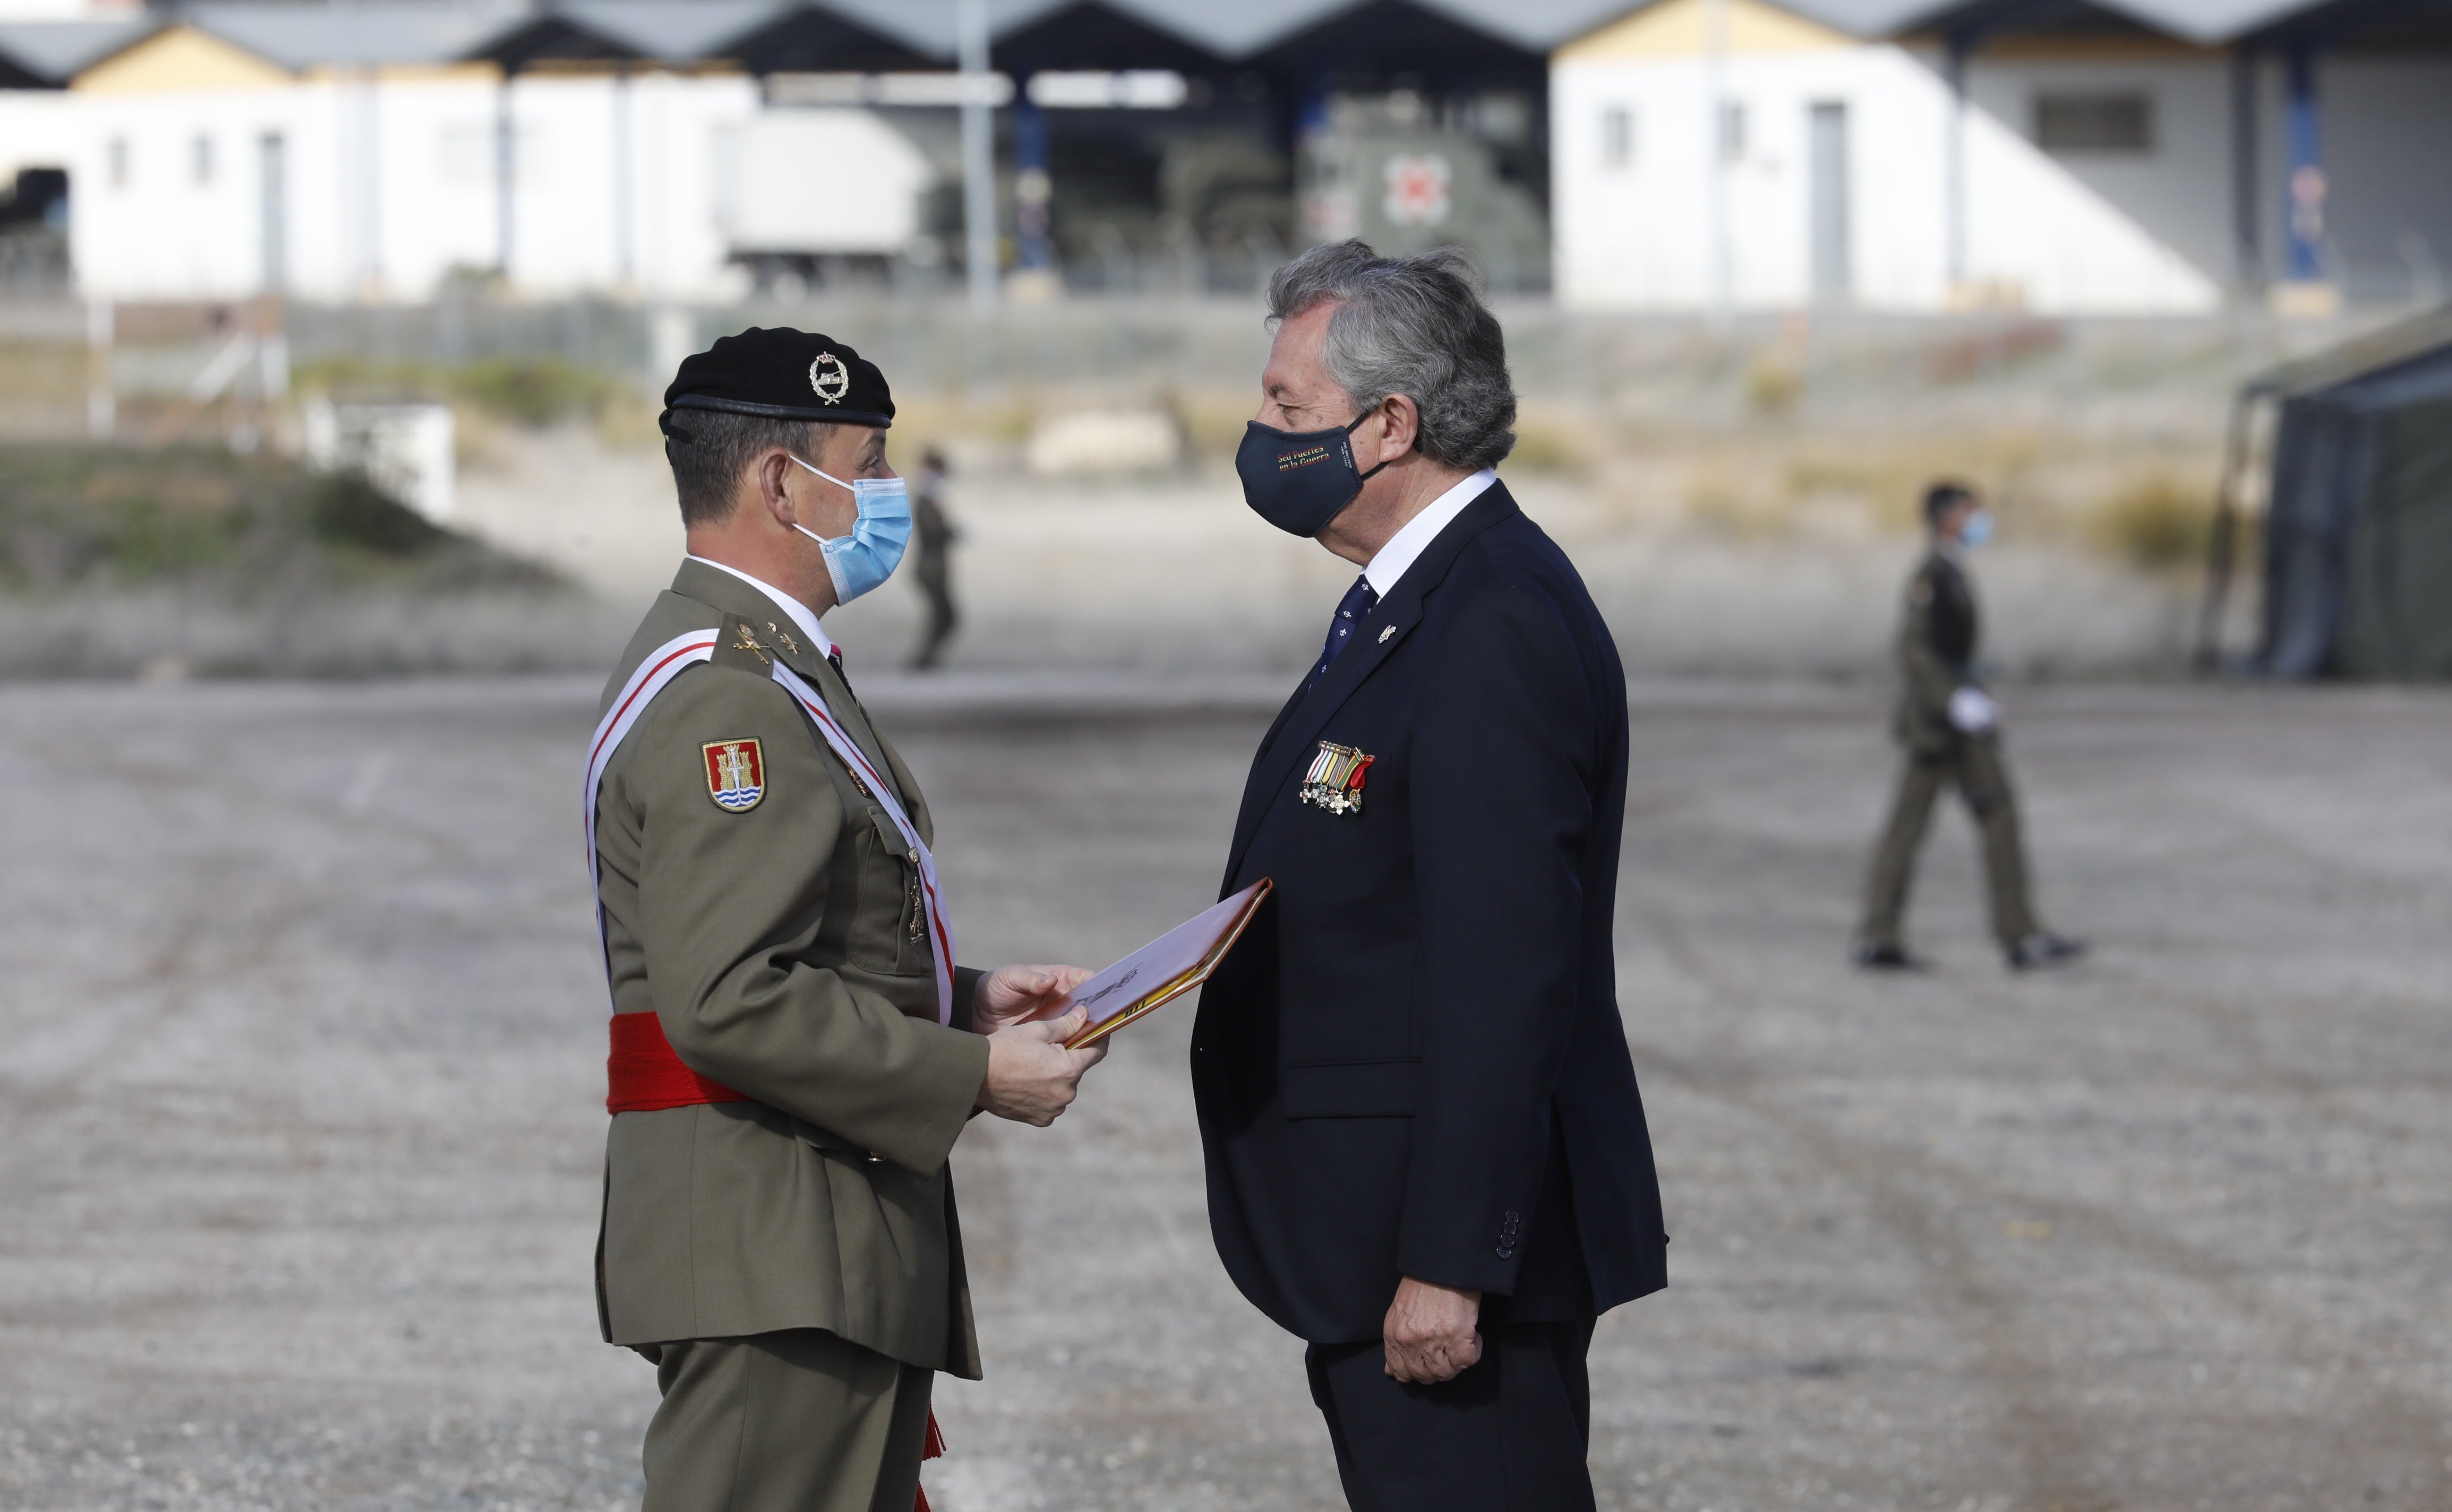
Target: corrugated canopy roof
{"type": "Point", "coordinates": [298, 35]}
{"type": "Point", "coordinates": [673, 30]}
{"type": "Point", "coordinates": [58, 51]}
{"type": "Point", "coordinates": [2208, 22]}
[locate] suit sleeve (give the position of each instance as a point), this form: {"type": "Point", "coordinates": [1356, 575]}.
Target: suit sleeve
{"type": "Point", "coordinates": [730, 905]}
{"type": "Point", "coordinates": [1502, 814]}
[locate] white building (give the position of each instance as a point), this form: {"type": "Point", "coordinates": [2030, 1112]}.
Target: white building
{"type": "Point", "coordinates": [1738, 154]}
{"type": "Point", "coordinates": [226, 153]}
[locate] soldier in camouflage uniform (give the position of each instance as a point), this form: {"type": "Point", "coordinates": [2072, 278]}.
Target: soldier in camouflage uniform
{"type": "Point", "coordinates": [1951, 728]}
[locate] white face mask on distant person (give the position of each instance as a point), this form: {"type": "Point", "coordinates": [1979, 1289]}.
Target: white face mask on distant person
{"type": "Point", "coordinates": [868, 556]}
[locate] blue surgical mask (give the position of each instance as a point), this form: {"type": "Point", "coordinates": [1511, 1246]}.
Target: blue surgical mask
{"type": "Point", "coordinates": [868, 556]}
{"type": "Point", "coordinates": [1977, 530]}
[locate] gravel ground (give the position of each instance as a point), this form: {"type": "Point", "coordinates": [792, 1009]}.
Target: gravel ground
{"type": "Point", "coordinates": [300, 1139]}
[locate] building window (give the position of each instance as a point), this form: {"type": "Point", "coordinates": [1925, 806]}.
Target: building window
{"type": "Point", "coordinates": [2121, 121]}
{"type": "Point", "coordinates": [1617, 137]}
{"type": "Point", "coordinates": [1732, 132]}
{"type": "Point", "coordinates": [201, 159]}
{"type": "Point", "coordinates": [115, 160]}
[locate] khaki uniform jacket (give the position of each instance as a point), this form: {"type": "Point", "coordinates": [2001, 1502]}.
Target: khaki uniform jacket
{"type": "Point", "coordinates": [1936, 652]}
{"type": "Point", "coordinates": [779, 948]}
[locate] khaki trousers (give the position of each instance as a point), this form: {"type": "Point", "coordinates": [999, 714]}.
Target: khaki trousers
{"type": "Point", "coordinates": [1975, 767]}
{"type": "Point", "coordinates": [798, 1421]}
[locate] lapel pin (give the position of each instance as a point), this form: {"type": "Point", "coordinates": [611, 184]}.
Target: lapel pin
{"type": "Point", "coordinates": [1385, 634]}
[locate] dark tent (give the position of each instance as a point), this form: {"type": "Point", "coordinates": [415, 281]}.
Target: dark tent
{"type": "Point", "coordinates": [2358, 519]}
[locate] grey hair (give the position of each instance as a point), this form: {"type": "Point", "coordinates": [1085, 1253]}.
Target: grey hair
{"type": "Point", "coordinates": [709, 449]}
{"type": "Point", "coordinates": [1416, 326]}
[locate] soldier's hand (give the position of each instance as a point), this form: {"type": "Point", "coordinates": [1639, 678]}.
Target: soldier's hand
{"type": "Point", "coordinates": [1032, 1077]}
{"type": "Point", "coordinates": [1016, 995]}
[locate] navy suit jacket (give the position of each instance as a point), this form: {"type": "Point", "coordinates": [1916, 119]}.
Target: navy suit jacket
{"type": "Point", "coordinates": [1414, 1064]}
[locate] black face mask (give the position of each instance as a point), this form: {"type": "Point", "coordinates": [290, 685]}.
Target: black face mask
{"type": "Point", "coordinates": [1299, 481]}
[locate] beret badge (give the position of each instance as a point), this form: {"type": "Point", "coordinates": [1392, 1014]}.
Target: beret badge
{"type": "Point", "coordinates": [829, 378]}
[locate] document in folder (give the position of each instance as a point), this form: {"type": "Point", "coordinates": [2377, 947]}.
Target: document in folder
{"type": "Point", "coordinates": [1163, 970]}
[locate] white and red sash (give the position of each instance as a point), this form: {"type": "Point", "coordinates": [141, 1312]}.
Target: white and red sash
{"type": "Point", "coordinates": [679, 655]}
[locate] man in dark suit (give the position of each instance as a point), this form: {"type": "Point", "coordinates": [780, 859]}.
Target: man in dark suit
{"type": "Point", "coordinates": [1426, 1152]}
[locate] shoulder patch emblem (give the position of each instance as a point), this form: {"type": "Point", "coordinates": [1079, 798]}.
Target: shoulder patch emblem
{"type": "Point", "coordinates": [736, 775]}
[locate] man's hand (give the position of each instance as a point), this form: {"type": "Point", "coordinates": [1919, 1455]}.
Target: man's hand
{"type": "Point", "coordinates": [1031, 1075]}
{"type": "Point", "coordinates": [1430, 1332]}
{"type": "Point", "coordinates": [1016, 995]}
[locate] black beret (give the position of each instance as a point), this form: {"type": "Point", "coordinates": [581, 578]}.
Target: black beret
{"type": "Point", "coordinates": [782, 374]}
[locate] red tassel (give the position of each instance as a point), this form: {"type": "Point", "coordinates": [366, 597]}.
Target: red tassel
{"type": "Point", "coordinates": [934, 1450]}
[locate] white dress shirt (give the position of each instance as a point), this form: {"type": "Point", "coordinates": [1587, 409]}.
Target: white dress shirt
{"type": "Point", "coordinates": [1418, 531]}
{"type": "Point", "coordinates": [797, 611]}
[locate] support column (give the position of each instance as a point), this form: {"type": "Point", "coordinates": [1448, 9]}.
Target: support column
{"type": "Point", "coordinates": [2247, 179]}
{"type": "Point", "coordinates": [979, 155]}
{"type": "Point", "coordinates": [505, 175]}
{"type": "Point", "coordinates": [1953, 170]}
{"type": "Point", "coordinates": [625, 249]}
{"type": "Point", "coordinates": [1721, 272]}
{"type": "Point", "coordinates": [1032, 187]}
{"type": "Point", "coordinates": [2303, 189]}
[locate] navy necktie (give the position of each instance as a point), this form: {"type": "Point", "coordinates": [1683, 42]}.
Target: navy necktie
{"type": "Point", "coordinates": [1351, 611]}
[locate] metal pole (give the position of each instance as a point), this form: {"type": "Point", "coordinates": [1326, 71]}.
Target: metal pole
{"type": "Point", "coordinates": [625, 256]}
{"type": "Point", "coordinates": [2303, 190]}
{"type": "Point", "coordinates": [505, 175]}
{"type": "Point", "coordinates": [1717, 67]}
{"type": "Point", "coordinates": [2221, 542]}
{"type": "Point", "coordinates": [979, 155]}
{"type": "Point", "coordinates": [2245, 179]}
{"type": "Point", "coordinates": [100, 382]}
{"type": "Point", "coordinates": [1955, 167]}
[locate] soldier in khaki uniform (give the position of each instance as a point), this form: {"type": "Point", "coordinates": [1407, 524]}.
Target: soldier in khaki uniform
{"type": "Point", "coordinates": [1951, 728]}
{"type": "Point", "coordinates": [794, 1052]}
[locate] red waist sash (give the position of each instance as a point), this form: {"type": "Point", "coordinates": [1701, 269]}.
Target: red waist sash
{"type": "Point", "coordinates": [643, 1075]}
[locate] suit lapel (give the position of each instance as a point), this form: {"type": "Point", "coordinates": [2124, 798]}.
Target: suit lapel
{"type": "Point", "coordinates": [1386, 627]}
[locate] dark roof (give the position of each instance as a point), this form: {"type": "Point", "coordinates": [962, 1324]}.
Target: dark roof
{"type": "Point", "coordinates": [2206, 23]}
{"type": "Point", "coordinates": [886, 35]}
{"type": "Point", "coordinates": [46, 54]}
{"type": "Point", "coordinates": [2362, 358]}
{"type": "Point", "coordinates": [299, 36]}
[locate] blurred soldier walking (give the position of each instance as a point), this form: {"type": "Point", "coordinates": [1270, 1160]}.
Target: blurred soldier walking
{"type": "Point", "coordinates": [793, 1050]}
{"type": "Point", "coordinates": [934, 564]}
{"type": "Point", "coordinates": [1951, 730]}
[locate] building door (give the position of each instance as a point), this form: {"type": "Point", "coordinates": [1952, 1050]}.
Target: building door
{"type": "Point", "coordinates": [273, 163]}
{"type": "Point", "coordinates": [1826, 149]}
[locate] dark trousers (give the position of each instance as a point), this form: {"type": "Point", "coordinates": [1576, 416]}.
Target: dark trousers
{"type": "Point", "coordinates": [1974, 766]}
{"type": "Point", "coordinates": [1509, 1434]}
{"type": "Point", "coordinates": [936, 580]}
